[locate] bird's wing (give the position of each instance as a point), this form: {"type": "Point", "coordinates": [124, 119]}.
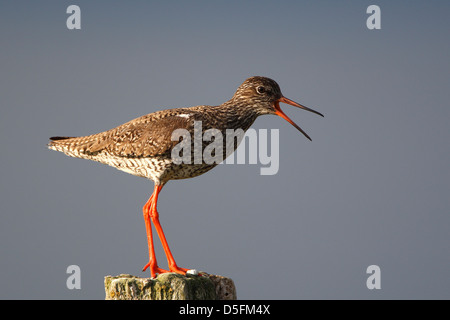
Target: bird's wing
{"type": "Point", "coordinates": [147, 136]}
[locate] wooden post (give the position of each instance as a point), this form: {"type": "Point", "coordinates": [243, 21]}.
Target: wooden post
{"type": "Point", "coordinates": [170, 286]}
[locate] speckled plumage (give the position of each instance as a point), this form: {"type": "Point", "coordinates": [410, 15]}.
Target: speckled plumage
{"type": "Point", "coordinates": [143, 146]}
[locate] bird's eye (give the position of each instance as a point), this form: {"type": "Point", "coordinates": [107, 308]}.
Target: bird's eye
{"type": "Point", "coordinates": [261, 89]}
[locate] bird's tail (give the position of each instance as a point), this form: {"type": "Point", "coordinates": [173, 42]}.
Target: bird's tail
{"type": "Point", "coordinates": [71, 146]}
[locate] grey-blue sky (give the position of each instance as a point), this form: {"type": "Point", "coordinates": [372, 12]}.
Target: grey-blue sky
{"type": "Point", "coordinates": [371, 188]}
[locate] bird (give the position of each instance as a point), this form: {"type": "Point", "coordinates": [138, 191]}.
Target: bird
{"type": "Point", "coordinates": [144, 146]}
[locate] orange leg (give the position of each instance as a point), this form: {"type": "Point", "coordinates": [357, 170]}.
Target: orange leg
{"type": "Point", "coordinates": [150, 212]}
{"type": "Point", "coordinates": [154, 269]}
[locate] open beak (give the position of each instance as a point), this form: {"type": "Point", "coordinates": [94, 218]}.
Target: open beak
{"type": "Point", "coordinates": [285, 117]}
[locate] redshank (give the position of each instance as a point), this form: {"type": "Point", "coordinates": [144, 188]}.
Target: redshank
{"type": "Point", "coordinates": [143, 146]}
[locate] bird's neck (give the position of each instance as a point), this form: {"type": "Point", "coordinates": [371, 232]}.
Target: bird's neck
{"type": "Point", "coordinates": [237, 115]}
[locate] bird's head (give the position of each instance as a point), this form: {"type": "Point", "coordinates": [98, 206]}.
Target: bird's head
{"type": "Point", "coordinates": [264, 95]}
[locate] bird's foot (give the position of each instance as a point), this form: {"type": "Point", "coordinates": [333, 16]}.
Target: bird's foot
{"type": "Point", "coordinates": [154, 269]}
{"type": "Point", "coordinates": [178, 269]}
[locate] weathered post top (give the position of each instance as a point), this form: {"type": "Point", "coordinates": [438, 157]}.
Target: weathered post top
{"type": "Point", "coordinates": [170, 286]}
